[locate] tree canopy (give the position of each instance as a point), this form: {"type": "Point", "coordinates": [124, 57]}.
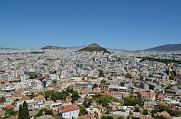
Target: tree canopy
{"type": "Point", "coordinates": [23, 111]}
{"type": "Point", "coordinates": [132, 101]}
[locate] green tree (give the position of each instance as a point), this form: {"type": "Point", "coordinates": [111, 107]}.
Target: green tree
{"type": "Point", "coordinates": [69, 89]}
{"type": "Point", "coordinates": [59, 96]}
{"type": "Point", "coordinates": [103, 82]}
{"type": "Point", "coordinates": [106, 117]}
{"type": "Point", "coordinates": [2, 99]}
{"type": "Point", "coordinates": [128, 76]}
{"type": "Point", "coordinates": [174, 113]}
{"type": "Point", "coordinates": [94, 86]}
{"type": "Point", "coordinates": [26, 111]}
{"type": "Point", "coordinates": [54, 81]}
{"type": "Point", "coordinates": [153, 112]}
{"type": "Point", "coordinates": [48, 94]}
{"type": "Point", "coordinates": [145, 112]}
{"type": "Point", "coordinates": [87, 102]}
{"type": "Point", "coordinates": [132, 101]}
{"type": "Point", "coordinates": [151, 87]}
{"type": "Point", "coordinates": [83, 110]}
{"type": "Point", "coordinates": [122, 83]}
{"type": "Point", "coordinates": [75, 96]}
{"type": "Point", "coordinates": [21, 111]}
{"type": "Point", "coordinates": [10, 112]}
{"type": "Point", "coordinates": [105, 100]}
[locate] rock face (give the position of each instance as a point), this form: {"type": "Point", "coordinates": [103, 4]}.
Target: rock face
{"type": "Point", "coordinates": [167, 47]}
{"type": "Point", "coordinates": [94, 47]}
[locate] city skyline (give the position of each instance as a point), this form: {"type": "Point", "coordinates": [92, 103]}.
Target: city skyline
{"type": "Point", "coordinates": [129, 25]}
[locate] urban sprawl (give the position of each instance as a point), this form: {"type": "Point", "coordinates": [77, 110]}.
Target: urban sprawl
{"type": "Point", "coordinates": [67, 83]}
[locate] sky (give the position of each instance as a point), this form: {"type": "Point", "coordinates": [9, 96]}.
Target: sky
{"type": "Point", "coordinates": [122, 24]}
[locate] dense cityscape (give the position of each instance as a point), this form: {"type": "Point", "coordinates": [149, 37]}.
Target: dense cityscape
{"type": "Point", "coordinates": [90, 59]}
{"type": "Point", "coordinates": [89, 83]}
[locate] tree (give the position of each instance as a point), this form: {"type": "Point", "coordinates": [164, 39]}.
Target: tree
{"type": "Point", "coordinates": [145, 112]}
{"type": "Point", "coordinates": [75, 96]}
{"type": "Point", "coordinates": [69, 89]}
{"type": "Point", "coordinates": [153, 112]}
{"type": "Point", "coordinates": [83, 110]}
{"type": "Point", "coordinates": [2, 99]}
{"type": "Point", "coordinates": [21, 111]}
{"type": "Point", "coordinates": [10, 112]}
{"type": "Point", "coordinates": [24, 112]}
{"type": "Point", "coordinates": [168, 87]}
{"type": "Point", "coordinates": [122, 83]}
{"type": "Point", "coordinates": [132, 101]}
{"type": "Point", "coordinates": [174, 113]}
{"type": "Point", "coordinates": [94, 86]}
{"type": "Point", "coordinates": [103, 82]}
{"type": "Point", "coordinates": [106, 117]}
{"type": "Point", "coordinates": [87, 102]}
{"type": "Point", "coordinates": [54, 81]}
{"type": "Point", "coordinates": [151, 87]}
{"type": "Point", "coordinates": [105, 100]}
{"type": "Point", "coordinates": [48, 94]}
{"type": "Point", "coordinates": [128, 76]}
{"type": "Point", "coordinates": [59, 96]}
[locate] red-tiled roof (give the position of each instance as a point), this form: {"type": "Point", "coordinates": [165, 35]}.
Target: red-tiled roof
{"type": "Point", "coordinates": [67, 108]}
{"type": "Point", "coordinates": [147, 94]}
{"type": "Point", "coordinates": [9, 106]}
{"type": "Point", "coordinates": [40, 98]}
{"type": "Point", "coordinates": [88, 116]}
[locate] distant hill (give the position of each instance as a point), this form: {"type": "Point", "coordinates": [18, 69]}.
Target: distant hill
{"type": "Point", "coordinates": [167, 47]}
{"type": "Point", "coordinates": [94, 47]}
{"type": "Point", "coordinates": [1, 48]}
{"type": "Point", "coordinates": [51, 47]}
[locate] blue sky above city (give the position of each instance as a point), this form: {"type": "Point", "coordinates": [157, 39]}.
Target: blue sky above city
{"type": "Point", "coordinates": [122, 24]}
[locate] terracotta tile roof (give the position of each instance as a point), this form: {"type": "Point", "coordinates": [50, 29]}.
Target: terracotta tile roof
{"type": "Point", "coordinates": [40, 98]}
{"type": "Point", "coordinates": [9, 106]}
{"type": "Point", "coordinates": [115, 93]}
{"type": "Point", "coordinates": [84, 91]}
{"type": "Point", "coordinates": [164, 114]}
{"type": "Point", "coordinates": [68, 108]}
{"type": "Point", "coordinates": [147, 94]}
{"type": "Point", "coordinates": [88, 116]}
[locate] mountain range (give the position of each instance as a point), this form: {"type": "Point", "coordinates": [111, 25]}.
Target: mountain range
{"type": "Point", "coordinates": [167, 47]}
{"type": "Point", "coordinates": [96, 47]}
